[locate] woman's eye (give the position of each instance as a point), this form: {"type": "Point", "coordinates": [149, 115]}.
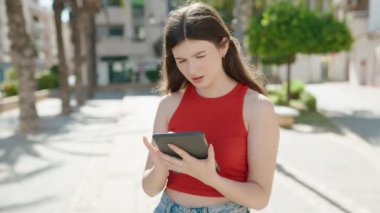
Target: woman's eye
{"type": "Point", "coordinates": [200, 56]}
{"type": "Point", "coordinates": [180, 62]}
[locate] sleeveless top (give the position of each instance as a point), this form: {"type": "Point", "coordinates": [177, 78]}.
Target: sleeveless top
{"type": "Point", "coordinates": [221, 119]}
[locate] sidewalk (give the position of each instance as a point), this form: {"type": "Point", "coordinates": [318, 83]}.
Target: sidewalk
{"type": "Point", "coordinates": [92, 161]}
{"type": "Point", "coordinates": [342, 169]}
{"type": "Point", "coordinates": [355, 108]}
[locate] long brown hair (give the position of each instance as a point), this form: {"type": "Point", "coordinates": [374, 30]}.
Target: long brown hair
{"type": "Point", "coordinates": [198, 21]}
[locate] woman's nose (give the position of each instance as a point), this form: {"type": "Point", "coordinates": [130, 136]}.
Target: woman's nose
{"type": "Point", "coordinates": [192, 67]}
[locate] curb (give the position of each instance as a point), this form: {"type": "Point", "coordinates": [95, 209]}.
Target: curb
{"type": "Point", "coordinates": [12, 102]}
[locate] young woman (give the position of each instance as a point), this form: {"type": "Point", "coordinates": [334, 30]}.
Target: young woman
{"type": "Point", "coordinates": [210, 89]}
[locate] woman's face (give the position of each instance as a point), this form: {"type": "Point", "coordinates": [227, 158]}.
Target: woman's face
{"type": "Point", "coordinates": [200, 61]}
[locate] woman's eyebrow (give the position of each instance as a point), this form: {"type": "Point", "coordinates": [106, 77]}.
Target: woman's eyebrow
{"type": "Point", "coordinates": [202, 51]}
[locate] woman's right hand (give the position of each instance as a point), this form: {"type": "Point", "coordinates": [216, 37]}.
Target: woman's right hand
{"type": "Point", "coordinates": [156, 155]}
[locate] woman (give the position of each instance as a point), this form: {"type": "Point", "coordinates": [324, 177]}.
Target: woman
{"type": "Point", "coordinates": [211, 90]}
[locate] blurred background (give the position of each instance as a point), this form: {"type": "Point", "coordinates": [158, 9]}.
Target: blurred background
{"type": "Point", "coordinates": [78, 79]}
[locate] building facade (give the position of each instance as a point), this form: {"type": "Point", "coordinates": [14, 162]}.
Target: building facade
{"type": "Point", "coordinates": [364, 58]}
{"type": "Point", "coordinates": [129, 34]}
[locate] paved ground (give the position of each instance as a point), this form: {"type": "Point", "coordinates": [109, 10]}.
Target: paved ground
{"type": "Point", "coordinates": [92, 161]}
{"type": "Point", "coordinates": [357, 109]}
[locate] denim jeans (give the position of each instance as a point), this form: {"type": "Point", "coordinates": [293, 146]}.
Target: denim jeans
{"type": "Point", "coordinates": [167, 205]}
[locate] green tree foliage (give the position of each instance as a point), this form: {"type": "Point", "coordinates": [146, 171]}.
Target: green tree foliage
{"type": "Point", "coordinates": [285, 29]}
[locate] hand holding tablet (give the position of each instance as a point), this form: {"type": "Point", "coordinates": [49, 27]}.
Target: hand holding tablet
{"type": "Point", "coordinates": [194, 143]}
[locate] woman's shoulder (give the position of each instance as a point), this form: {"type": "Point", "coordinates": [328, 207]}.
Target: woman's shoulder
{"type": "Point", "coordinates": [172, 98]}
{"type": "Point", "coordinates": [256, 103]}
{"type": "Point", "coordinates": [170, 102]}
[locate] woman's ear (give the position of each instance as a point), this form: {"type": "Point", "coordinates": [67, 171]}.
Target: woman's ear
{"type": "Point", "coordinates": [224, 44]}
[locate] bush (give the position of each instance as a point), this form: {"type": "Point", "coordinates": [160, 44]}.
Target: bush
{"type": "Point", "coordinates": [277, 97]}
{"type": "Point", "coordinates": [54, 70]}
{"type": "Point", "coordinates": [309, 101]}
{"type": "Point", "coordinates": [11, 74]}
{"type": "Point", "coordinates": [153, 75]}
{"type": "Point", "coordinates": [296, 88]}
{"type": "Point", "coordinates": [9, 88]}
{"type": "Point", "coordinates": [47, 81]}
{"type": "Point", "coordinates": [300, 99]}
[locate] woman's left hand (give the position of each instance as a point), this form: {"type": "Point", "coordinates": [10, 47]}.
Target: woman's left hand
{"type": "Point", "coordinates": [204, 169]}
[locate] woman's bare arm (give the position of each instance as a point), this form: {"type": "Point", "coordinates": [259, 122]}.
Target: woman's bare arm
{"type": "Point", "coordinates": [262, 145]}
{"type": "Point", "coordinates": [155, 175]}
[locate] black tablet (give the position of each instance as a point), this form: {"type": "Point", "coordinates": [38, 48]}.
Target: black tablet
{"type": "Point", "coordinates": [193, 143]}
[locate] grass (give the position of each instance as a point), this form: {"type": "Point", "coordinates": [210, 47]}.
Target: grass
{"type": "Point", "coordinates": [318, 121]}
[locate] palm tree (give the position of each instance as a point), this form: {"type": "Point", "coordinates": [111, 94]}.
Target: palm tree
{"type": "Point", "coordinates": [23, 54]}
{"type": "Point", "coordinates": [91, 7]}
{"type": "Point", "coordinates": [63, 74]}
{"type": "Point", "coordinates": [76, 25]}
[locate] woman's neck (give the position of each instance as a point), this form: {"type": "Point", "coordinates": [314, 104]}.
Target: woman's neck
{"type": "Point", "coordinates": [217, 88]}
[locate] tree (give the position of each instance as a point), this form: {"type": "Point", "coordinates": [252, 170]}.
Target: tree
{"type": "Point", "coordinates": [76, 24]}
{"type": "Point", "coordinates": [63, 72]}
{"type": "Point", "coordinates": [23, 54]}
{"type": "Point", "coordinates": [284, 29]}
{"type": "Point", "coordinates": [90, 8]}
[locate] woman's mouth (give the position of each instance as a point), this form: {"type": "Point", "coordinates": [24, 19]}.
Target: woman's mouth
{"type": "Point", "coordinates": [197, 80]}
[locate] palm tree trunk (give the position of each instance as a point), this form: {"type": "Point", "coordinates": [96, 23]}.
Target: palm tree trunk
{"type": "Point", "coordinates": [90, 51]}
{"type": "Point", "coordinates": [93, 53]}
{"type": "Point", "coordinates": [76, 39]}
{"type": "Point", "coordinates": [63, 74]}
{"type": "Point", "coordinates": [288, 77]}
{"type": "Point", "coordinates": [22, 54]}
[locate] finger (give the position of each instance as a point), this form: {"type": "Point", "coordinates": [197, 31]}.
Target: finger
{"type": "Point", "coordinates": [168, 158]}
{"type": "Point", "coordinates": [173, 161]}
{"type": "Point", "coordinates": [211, 152]}
{"type": "Point", "coordinates": [211, 157]}
{"type": "Point", "coordinates": [179, 151]}
{"type": "Point", "coordinates": [173, 165]}
{"type": "Point", "coordinates": [150, 147]}
{"type": "Point", "coordinates": [173, 168]}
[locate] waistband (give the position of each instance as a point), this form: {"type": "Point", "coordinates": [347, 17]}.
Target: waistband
{"type": "Point", "coordinates": [168, 205]}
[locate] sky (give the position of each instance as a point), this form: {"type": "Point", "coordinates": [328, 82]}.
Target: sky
{"type": "Point", "coordinates": [48, 4]}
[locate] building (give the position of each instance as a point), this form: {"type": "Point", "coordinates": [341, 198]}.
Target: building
{"type": "Point", "coordinates": [41, 29]}
{"type": "Point", "coordinates": [129, 34]}
{"type": "Point", "coordinates": [364, 58]}
{"type": "Point", "coordinates": [4, 42]}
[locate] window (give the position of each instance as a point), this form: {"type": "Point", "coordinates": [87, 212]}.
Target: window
{"type": "Point", "coordinates": [116, 3]}
{"type": "Point", "coordinates": [139, 33]}
{"type": "Point", "coordinates": [115, 31]}
{"type": "Point", "coordinates": [117, 70]}
{"type": "Point", "coordinates": [104, 31]}
{"type": "Point", "coordinates": [358, 5]}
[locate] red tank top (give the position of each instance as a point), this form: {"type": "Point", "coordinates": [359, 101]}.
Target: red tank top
{"type": "Point", "coordinates": [221, 119]}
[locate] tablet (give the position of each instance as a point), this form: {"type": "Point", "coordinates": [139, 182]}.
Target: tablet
{"type": "Point", "coordinates": [193, 143]}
